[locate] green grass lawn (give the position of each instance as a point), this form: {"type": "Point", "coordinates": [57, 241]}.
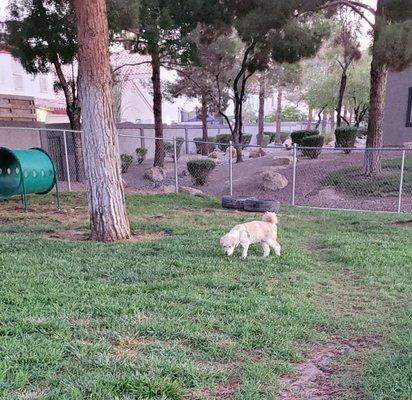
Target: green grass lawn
{"type": "Point", "coordinates": [171, 318]}
{"type": "Point", "coordinates": [352, 181]}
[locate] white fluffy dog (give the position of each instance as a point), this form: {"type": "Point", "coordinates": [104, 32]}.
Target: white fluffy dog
{"type": "Point", "coordinates": [263, 232]}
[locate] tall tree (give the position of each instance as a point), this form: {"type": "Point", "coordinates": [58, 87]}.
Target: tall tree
{"type": "Point", "coordinates": [285, 36]}
{"type": "Point", "coordinates": [41, 34]}
{"type": "Point", "coordinates": [392, 32]}
{"type": "Point", "coordinates": [349, 52]}
{"type": "Point", "coordinates": [108, 217]}
{"type": "Point", "coordinates": [162, 32]}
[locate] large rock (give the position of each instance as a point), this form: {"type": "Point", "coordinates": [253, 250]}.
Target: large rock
{"type": "Point", "coordinates": [191, 191]}
{"type": "Point", "coordinates": [215, 154]}
{"type": "Point", "coordinates": [155, 174]}
{"type": "Point", "coordinates": [257, 153]}
{"type": "Point", "coordinates": [288, 143]}
{"type": "Point", "coordinates": [277, 161]}
{"type": "Point", "coordinates": [168, 189]}
{"type": "Point", "coordinates": [272, 180]}
{"type": "Point", "coordinates": [233, 152]}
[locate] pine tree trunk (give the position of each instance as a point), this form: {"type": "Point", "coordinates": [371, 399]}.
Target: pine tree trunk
{"type": "Point", "coordinates": [324, 121]}
{"type": "Point", "coordinates": [108, 217]}
{"type": "Point", "coordinates": [378, 77]}
{"type": "Point", "coordinates": [278, 139]}
{"type": "Point", "coordinates": [342, 89]}
{"type": "Point", "coordinates": [310, 119]}
{"type": "Point", "coordinates": [75, 125]}
{"type": "Point", "coordinates": [261, 114]}
{"type": "Point", "coordinates": [157, 111]}
{"type": "Point", "coordinates": [205, 147]}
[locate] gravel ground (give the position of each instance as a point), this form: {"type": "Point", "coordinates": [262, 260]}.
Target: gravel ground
{"type": "Point", "coordinates": [309, 173]}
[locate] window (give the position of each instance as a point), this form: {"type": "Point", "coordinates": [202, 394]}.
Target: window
{"type": "Point", "coordinates": [43, 84]}
{"type": "Point", "coordinates": [409, 109]}
{"type": "Point", "coordinates": [18, 82]}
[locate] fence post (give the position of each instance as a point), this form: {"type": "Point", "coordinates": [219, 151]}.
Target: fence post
{"type": "Point", "coordinates": [175, 165]}
{"type": "Point", "coordinates": [186, 142]}
{"type": "Point", "coordinates": [230, 168]}
{"type": "Point", "coordinates": [66, 156]}
{"type": "Point", "coordinates": [295, 151]}
{"type": "Point", "coordinates": [401, 181]}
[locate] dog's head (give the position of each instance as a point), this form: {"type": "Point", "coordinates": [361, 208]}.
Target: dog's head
{"type": "Point", "coordinates": [229, 243]}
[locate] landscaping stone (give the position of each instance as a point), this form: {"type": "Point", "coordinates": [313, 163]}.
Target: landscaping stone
{"type": "Point", "coordinates": [191, 191]}
{"type": "Point", "coordinates": [257, 153]}
{"type": "Point", "coordinates": [155, 174]}
{"type": "Point", "coordinates": [282, 161]}
{"type": "Point", "coordinates": [272, 180]}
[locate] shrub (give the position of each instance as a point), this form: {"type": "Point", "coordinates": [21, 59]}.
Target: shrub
{"type": "Point", "coordinates": [127, 161]}
{"type": "Point", "coordinates": [223, 140]}
{"type": "Point", "coordinates": [312, 141]}
{"type": "Point", "coordinates": [199, 145]}
{"type": "Point", "coordinates": [362, 132]}
{"type": "Point", "coordinates": [297, 136]}
{"type": "Point", "coordinates": [270, 137]}
{"type": "Point", "coordinates": [345, 137]}
{"type": "Point", "coordinates": [169, 148]}
{"type": "Point", "coordinates": [200, 170]}
{"type": "Point", "coordinates": [246, 139]}
{"type": "Point", "coordinates": [141, 154]}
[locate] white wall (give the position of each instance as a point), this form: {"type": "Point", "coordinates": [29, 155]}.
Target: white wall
{"type": "Point", "coordinates": [15, 81]}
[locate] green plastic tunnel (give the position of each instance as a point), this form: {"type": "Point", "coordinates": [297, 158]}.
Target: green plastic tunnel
{"type": "Point", "coordinates": [26, 171]}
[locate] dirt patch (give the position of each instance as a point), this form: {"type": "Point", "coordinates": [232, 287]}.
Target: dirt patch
{"type": "Point", "coordinates": [77, 235]}
{"type": "Point", "coordinates": [404, 223]}
{"type": "Point", "coordinates": [314, 376]}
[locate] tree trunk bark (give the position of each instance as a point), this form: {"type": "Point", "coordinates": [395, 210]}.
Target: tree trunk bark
{"type": "Point", "coordinates": [378, 77]}
{"type": "Point", "coordinates": [261, 114]}
{"type": "Point", "coordinates": [310, 119]}
{"type": "Point", "coordinates": [332, 121]}
{"type": "Point", "coordinates": [278, 140]}
{"type": "Point", "coordinates": [108, 217]}
{"type": "Point", "coordinates": [342, 89]}
{"type": "Point", "coordinates": [157, 111]}
{"type": "Point", "coordinates": [74, 114]}
{"type": "Point", "coordinates": [324, 121]}
{"type": "Point", "coordinates": [205, 147]}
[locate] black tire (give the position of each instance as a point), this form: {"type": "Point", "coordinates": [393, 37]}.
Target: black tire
{"type": "Point", "coordinates": [235, 203]}
{"type": "Point", "coordinates": [254, 205]}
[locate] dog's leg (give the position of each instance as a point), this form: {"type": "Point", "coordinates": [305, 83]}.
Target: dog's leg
{"type": "Point", "coordinates": [266, 249]}
{"type": "Point", "coordinates": [245, 248]}
{"type": "Point", "coordinates": [275, 246]}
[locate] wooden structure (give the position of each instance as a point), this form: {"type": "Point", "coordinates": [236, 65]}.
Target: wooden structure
{"type": "Point", "coordinates": [17, 108]}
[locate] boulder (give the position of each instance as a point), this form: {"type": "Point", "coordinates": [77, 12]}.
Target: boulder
{"type": "Point", "coordinates": [277, 161]}
{"type": "Point", "coordinates": [288, 143]}
{"type": "Point", "coordinates": [191, 191]}
{"type": "Point", "coordinates": [167, 189]}
{"type": "Point", "coordinates": [257, 153]}
{"type": "Point", "coordinates": [215, 154]}
{"type": "Point", "coordinates": [233, 152]}
{"type": "Point", "coordinates": [155, 174]}
{"type": "Point", "coordinates": [272, 181]}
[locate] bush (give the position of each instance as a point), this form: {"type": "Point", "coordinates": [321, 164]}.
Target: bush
{"type": "Point", "coordinates": [246, 139]}
{"type": "Point", "coordinates": [312, 141]}
{"type": "Point", "coordinates": [199, 145]}
{"type": "Point", "coordinates": [127, 161]}
{"type": "Point", "coordinates": [141, 154]}
{"type": "Point", "coordinates": [362, 132]}
{"type": "Point", "coordinates": [297, 136]}
{"type": "Point", "coordinates": [346, 137]}
{"type": "Point", "coordinates": [169, 148]}
{"type": "Point", "coordinates": [223, 140]}
{"type": "Point", "coordinates": [200, 170]}
{"type": "Point", "coordinates": [271, 136]}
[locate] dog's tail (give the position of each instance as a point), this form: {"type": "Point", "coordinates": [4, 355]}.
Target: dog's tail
{"type": "Point", "coordinates": [271, 218]}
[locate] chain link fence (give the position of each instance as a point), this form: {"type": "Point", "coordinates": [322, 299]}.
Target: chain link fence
{"type": "Point", "coordinates": [328, 177]}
